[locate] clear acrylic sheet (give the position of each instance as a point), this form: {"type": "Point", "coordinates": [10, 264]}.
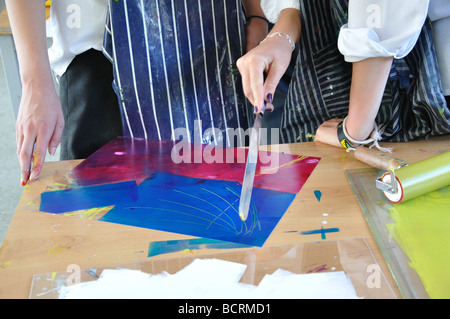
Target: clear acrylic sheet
{"type": "Point", "coordinates": [376, 207]}
{"type": "Point", "coordinates": [352, 256]}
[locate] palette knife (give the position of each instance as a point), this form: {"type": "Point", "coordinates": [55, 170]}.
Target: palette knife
{"type": "Point", "coordinates": [250, 167]}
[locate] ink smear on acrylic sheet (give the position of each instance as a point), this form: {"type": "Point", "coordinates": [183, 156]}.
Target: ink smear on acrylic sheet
{"type": "Point", "coordinates": [196, 197]}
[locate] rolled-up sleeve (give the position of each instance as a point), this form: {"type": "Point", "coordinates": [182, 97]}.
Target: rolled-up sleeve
{"type": "Point", "coordinates": [382, 28]}
{"type": "Point", "coordinates": [273, 8]}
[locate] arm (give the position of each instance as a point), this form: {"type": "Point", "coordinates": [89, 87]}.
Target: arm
{"type": "Point", "coordinates": [272, 57]}
{"type": "Point", "coordinates": [368, 83]}
{"type": "Point", "coordinates": [40, 120]}
{"type": "Point", "coordinates": [256, 28]}
{"type": "Point", "coordinates": [376, 33]}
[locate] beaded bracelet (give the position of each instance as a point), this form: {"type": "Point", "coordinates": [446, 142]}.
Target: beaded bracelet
{"type": "Point", "coordinates": [283, 35]}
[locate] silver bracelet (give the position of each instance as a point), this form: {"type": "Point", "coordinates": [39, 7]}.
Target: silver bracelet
{"type": "Point", "coordinates": [355, 141]}
{"type": "Point", "coordinates": [282, 35]}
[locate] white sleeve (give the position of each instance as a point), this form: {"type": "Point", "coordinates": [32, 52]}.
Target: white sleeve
{"type": "Point", "coordinates": [273, 8]}
{"type": "Point", "coordinates": [381, 28]}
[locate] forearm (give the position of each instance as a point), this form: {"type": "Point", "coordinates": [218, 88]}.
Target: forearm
{"type": "Point", "coordinates": [27, 19]}
{"type": "Point", "coordinates": [289, 23]}
{"type": "Point", "coordinates": [367, 88]}
{"type": "Point", "coordinates": [252, 7]}
{"type": "Point", "coordinates": [257, 26]}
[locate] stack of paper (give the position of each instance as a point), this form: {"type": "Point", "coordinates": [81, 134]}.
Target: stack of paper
{"type": "Point", "coordinates": [211, 279]}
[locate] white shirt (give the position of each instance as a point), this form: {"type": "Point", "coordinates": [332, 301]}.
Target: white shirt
{"type": "Point", "coordinates": [381, 28]}
{"type": "Point", "coordinates": [76, 26]}
{"type": "Point", "coordinates": [273, 8]}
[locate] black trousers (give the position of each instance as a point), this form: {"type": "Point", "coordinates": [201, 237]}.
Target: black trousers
{"type": "Point", "coordinates": [90, 106]}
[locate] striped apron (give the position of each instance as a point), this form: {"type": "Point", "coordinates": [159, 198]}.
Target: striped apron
{"type": "Point", "coordinates": [413, 104]}
{"type": "Point", "coordinates": [175, 68]}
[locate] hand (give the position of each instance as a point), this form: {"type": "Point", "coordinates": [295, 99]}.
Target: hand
{"type": "Point", "coordinates": [272, 57]}
{"type": "Point", "coordinates": [327, 133]}
{"type": "Point", "coordinates": [38, 128]}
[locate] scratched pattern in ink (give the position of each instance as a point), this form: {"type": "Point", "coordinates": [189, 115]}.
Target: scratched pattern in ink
{"type": "Point", "coordinates": [147, 189]}
{"type": "Point", "coordinates": [126, 159]}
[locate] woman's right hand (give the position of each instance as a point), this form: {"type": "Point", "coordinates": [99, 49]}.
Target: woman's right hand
{"type": "Point", "coordinates": [271, 57]}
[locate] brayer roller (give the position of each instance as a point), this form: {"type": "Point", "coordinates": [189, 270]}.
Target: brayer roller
{"type": "Point", "coordinates": [403, 182]}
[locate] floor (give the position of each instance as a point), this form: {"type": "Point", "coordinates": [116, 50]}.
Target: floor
{"type": "Point", "coordinates": [10, 189]}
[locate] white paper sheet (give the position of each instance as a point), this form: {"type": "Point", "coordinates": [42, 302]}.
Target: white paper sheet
{"type": "Point", "coordinates": [211, 279]}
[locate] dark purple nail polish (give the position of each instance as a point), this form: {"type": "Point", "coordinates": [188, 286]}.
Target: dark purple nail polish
{"type": "Point", "coordinates": [256, 110]}
{"type": "Point", "coordinates": [269, 97]}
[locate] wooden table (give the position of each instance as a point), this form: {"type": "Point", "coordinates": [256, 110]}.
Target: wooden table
{"type": "Point", "coordinates": [39, 242]}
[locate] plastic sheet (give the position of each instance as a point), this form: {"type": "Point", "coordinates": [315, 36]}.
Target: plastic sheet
{"type": "Point", "coordinates": [351, 256]}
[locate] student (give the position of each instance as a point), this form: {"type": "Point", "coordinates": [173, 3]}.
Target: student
{"type": "Point", "coordinates": [86, 114]}
{"type": "Point", "coordinates": [175, 69]}
{"type": "Point", "coordinates": [160, 87]}
{"type": "Point", "coordinates": [380, 69]}
{"type": "Point", "coordinates": [439, 13]}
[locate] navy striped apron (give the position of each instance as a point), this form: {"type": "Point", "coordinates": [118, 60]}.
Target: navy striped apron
{"type": "Point", "coordinates": [175, 67]}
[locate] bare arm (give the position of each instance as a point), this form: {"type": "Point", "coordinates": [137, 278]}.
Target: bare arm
{"type": "Point", "coordinates": [40, 121]}
{"type": "Point", "coordinates": [368, 83]}
{"type": "Point", "coordinates": [256, 28]}
{"type": "Point", "coordinates": [272, 57]}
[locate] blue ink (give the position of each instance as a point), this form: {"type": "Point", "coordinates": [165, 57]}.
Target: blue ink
{"type": "Point", "coordinates": [179, 204]}
{"type": "Point", "coordinates": [170, 246]}
{"type": "Point", "coordinates": [72, 199]}
{"type": "Point", "coordinates": [320, 231]}
{"type": "Point", "coordinates": [318, 195]}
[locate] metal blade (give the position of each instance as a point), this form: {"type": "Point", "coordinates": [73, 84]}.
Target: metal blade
{"type": "Point", "coordinates": [250, 167]}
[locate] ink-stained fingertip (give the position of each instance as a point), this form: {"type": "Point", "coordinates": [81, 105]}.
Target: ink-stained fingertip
{"type": "Point", "coordinates": [34, 174]}
{"type": "Point", "coordinates": [52, 151]}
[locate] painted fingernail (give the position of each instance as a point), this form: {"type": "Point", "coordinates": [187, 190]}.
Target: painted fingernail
{"type": "Point", "coordinates": [256, 110]}
{"type": "Point", "coordinates": [269, 97]}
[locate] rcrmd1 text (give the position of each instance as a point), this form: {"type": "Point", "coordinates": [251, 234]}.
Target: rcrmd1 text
{"type": "Point", "coordinates": [235, 308]}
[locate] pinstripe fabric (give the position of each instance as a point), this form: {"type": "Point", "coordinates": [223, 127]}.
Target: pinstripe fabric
{"type": "Point", "coordinates": [174, 65]}
{"type": "Point", "coordinates": [413, 104]}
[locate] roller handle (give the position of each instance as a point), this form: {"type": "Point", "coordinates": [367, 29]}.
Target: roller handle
{"type": "Point", "coordinates": [378, 160]}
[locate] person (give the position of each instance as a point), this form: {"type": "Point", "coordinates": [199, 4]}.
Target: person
{"type": "Point", "coordinates": [371, 70]}
{"type": "Point", "coordinates": [85, 115]}
{"type": "Point", "coordinates": [159, 87]}
{"type": "Point", "coordinates": [439, 13]}
{"type": "Point", "coordinates": [175, 69]}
